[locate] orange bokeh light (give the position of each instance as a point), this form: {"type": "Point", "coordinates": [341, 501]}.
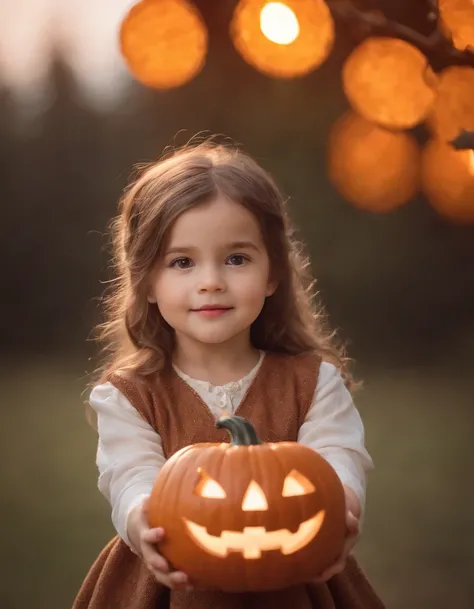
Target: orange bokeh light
{"type": "Point", "coordinates": [453, 109]}
{"type": "Point", "coordinates": [372, 168]}
{"type": "Point", "coordinates": [164, 42]}
{"type": "Point", "coordinates": [389, 82]}
{"type": "Point", "coordinates": [448, 180]}
{"type": "Point", "coordinates": [288, 58]}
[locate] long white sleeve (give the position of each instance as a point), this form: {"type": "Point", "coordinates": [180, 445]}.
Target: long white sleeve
{"type": "Point", "coordinates": [129, 454]}
{"type": "Point", "coordinates": [334, 428]}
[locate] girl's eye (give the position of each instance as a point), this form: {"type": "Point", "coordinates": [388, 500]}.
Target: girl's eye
{"type": "Point", "coordinates": [237, 259]}
{"type": "Point", "coordinates": [182, 263]}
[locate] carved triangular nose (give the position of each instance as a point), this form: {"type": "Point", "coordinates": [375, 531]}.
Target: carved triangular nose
{"type": "Point", "coordinates": [254, 499]}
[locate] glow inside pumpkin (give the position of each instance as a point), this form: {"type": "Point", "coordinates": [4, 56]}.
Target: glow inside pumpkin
{"type": "Point", "coordinates": [252, 541]}
{"type": "Point", "coordinates": [248, 516]}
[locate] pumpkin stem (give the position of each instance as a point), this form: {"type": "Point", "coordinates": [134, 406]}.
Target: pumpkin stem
{"type": "Point", "coordinates": [241, 431]}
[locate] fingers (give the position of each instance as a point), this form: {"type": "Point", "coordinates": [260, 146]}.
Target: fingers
{"type": "Point", "coordinates": [334, 569]}
{"type": "Point", "coordinates": [352, 524]}
{"type": "Point", "coordinates": [153, 560]}
{"type": "Point", "coordinates": [176, 580]}
{"type": "Point", "coordinates": [179, 579]}
{"type": "Point", "coordinates": [349, 545]}
{"type": "Point", "coordinates": [351, 538]}
{"type": "Point", "coordinates": [157, 564]}
{"type": "Point", "coordinates": [152, 536]}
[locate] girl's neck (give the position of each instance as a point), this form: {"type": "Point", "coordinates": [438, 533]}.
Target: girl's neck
{"type": "Point", "coordinates": [216, 364]}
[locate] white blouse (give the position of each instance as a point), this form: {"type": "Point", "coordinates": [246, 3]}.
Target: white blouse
{"type": "Point", "coordinates": [130, 452]}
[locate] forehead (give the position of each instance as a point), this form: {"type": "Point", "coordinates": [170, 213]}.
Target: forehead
{"type": "Point", "coordinates": [219, 221]}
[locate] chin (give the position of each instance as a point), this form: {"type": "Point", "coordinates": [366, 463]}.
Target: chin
{"type": "Point", "coordinates": [214, 340]}
{"type": "Point", "coordinates": [215, 336]}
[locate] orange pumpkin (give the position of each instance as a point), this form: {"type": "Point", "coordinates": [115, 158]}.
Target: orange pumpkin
{"type": "Point", "coordinates": [248, 516]}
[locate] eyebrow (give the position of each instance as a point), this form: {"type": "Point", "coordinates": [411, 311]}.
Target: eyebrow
{"type": "Point", "coordinates": [235, 245]}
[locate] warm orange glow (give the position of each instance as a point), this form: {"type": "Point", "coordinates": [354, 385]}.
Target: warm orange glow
{"type": "Point", "coordinates": [374, 169]}
{"type": "Point", "coordinates": [389, 82]}
{"type": "Point", "coordinates": [448, 180]}
{"type": "Point", "coordinates": [470, 161]}
{"type": "Point", "coordinates": [213, 490]}
{"type": "Point", "coordinates": [457, 20]}
{"type": "Point", "coordinates": [209, 488]}
{"type": "Point", "coordinates": [283, 39]}
{"type": "Point", "coordinates": [297, 484]}
{"type": "Point", "coordinates": [279, 23]}
{"type": "Point", "coordinates": [164, 42]}
{"type": "Point", "coordinates": [453, 109]}
{"type": "Point", "coordinates": [252, 541]}
{"type": "Point", "coordinates": [254, 499]}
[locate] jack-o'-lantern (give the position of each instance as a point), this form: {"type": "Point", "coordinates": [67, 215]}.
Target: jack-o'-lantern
{"type": "Point", "coordinates": [246, 515]}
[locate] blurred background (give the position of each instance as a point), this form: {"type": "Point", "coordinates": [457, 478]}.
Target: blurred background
{"type": "Point", "coordinates": [398, 286]}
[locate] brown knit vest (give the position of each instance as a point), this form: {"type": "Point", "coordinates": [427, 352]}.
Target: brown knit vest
{"type": "Point", "coordinates": [276, 403]}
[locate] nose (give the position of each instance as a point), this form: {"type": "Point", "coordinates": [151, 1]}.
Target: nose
{"type": "Point", "coordinates": [211, 280]}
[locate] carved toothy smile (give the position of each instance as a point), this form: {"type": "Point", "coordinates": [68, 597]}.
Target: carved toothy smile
{"type": "Point", "coordinates": [252, 541]}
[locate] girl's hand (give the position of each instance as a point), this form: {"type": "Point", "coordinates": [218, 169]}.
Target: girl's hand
{"type": "Point", "coordinates": [144, 540]}
{"type": "Point", "coordinates": [352, 524]}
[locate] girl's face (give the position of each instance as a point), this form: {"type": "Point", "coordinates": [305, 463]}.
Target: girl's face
{"type": "Point", "coordinates": [211, 282]}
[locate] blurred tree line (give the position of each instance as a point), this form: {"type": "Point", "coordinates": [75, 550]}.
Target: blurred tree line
{"type": "Point", "coordinates": [399, 286]}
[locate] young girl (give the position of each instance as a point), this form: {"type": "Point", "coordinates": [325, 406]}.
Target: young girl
{"type": "Point", "coordinates": [210, 314]}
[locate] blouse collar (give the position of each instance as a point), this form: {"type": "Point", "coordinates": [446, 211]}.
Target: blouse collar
{"type": "Point", "coordinates": [232, 387]}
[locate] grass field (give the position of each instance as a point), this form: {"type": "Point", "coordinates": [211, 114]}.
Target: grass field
{"type": "Point", "coordinates": [417, 546]}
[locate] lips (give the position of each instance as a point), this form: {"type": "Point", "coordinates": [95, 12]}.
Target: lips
{"type": "Point", "coordinates": [211, 311]}
{"type": "Point", "coordinates": [212, 308]}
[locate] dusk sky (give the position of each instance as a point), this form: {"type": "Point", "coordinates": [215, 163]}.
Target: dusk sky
{"type": "Point", "coordinates": [87, 30]}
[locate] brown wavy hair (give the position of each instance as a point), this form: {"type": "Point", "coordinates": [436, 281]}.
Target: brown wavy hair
{"type": "Point", "coordinates": [134, 334]}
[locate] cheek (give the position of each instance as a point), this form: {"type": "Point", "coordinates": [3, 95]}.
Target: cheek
{"type": "Point", "coordinates": [253, 286]}
{"type": "Point", "coordinates": [169, 293]}
{"type": "Point", "coordinates": [254, 294]}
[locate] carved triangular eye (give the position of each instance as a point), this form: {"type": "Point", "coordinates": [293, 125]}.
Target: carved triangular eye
{"type": "Point", "coordinates": [254, 500]}
{"type": "Point", "coordinates": [297, 484]}
{"type": "Point", "coordinates": [209, 488]}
